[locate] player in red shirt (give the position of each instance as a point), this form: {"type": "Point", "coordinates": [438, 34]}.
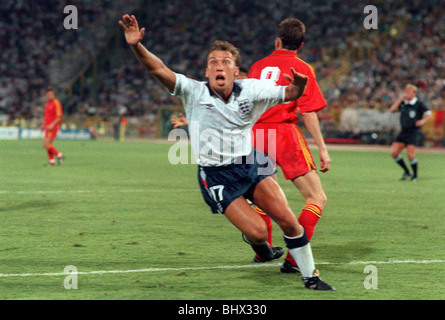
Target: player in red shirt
{"type": "Point", "coordinates": [292, 154]}
{"type": "Point", "coordinates": [51, 125]}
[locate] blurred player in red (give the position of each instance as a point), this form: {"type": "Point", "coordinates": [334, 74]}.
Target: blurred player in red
{"type": "Point", "coordinates": [51, 125]}
{"type": "Point", "coordinates": [292, 154]}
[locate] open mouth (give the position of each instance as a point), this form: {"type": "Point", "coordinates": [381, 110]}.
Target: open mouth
{"type": "Point", "coordinates": [220, 79]}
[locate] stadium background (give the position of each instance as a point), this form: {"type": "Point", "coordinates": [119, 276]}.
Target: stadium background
{"type": "Point", "coordinates": [98, 80]}
{"type": "Point", "coordinates": [111, 209]}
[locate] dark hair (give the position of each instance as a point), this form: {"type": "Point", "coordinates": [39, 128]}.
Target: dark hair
{"type": "Point", "coordinates": [226, 46]}
{"type": "Point", "coordinates": [291, 32]}
{"type": "Point", "coordinates": [48, 89]}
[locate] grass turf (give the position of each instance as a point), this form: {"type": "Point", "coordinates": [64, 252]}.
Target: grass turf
{"type": "Point", "coordinates": [123, 206]}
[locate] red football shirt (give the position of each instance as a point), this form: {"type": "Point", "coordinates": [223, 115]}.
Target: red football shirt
{"type": "Point", "coordinates": [53, 109]}
{"type": "Point", "coordinates": [273, 67]}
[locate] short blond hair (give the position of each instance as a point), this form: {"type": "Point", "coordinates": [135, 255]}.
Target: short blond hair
{"type": "Point", "coordinates": [219, 45]}
{"type": "Point", "coordinates": [410, 85]}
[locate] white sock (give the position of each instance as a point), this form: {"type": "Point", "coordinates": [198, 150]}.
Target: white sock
{"type": "Point", "coordinates": [305, 260]}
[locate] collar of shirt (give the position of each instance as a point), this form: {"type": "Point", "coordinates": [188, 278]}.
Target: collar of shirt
{"type": "Point", "coordinates": [285, 53]}
{"type": "Point", "coordinates": [412, 101]}
{"type": "Point", "coordinates": [236, 89]}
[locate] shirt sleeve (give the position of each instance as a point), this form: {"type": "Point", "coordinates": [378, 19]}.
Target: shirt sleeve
{"type": "Point", "coordinates": [184, 89]}
{"type": "Point", "coordinates": [266, 95]}
{"type": "Point", "coordinates": [58, 108]}
{"type": "Point", "coordinates": [181, 86]}
{"type": "Point", "coordinates": [424, 110]}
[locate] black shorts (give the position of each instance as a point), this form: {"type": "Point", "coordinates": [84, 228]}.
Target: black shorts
{"type": "Point", "coordinates": [220, 186]}
{"type": "Point", "coordinates": [408, 137]}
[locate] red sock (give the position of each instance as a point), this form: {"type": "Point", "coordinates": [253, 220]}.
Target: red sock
{"type": "Point", "coordinates": [309, 217]}
{"type": "Point", "coordinates": [53, 150]}
{"type": "Point", "coordinates": [268, 221]}
{"type": "Point", "coordinates": [50, 157]}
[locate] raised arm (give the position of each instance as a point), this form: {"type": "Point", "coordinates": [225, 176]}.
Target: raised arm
{"type": "Point", "coordinates": [155, 66]}
{"type": "Point", "coordinates": [395, 106]}
{"type": "Point", "coordinates": [297, 85]}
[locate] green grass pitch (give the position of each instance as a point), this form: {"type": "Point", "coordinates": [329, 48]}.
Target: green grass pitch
{"type": "Point", "coordinates": [123, 207]}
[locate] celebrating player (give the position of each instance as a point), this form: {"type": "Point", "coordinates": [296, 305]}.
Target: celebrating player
{"type": "Point", "coordinates": [292, 153]}
{"type": "Point", "coordinates": [51, 125]}
{"type": "Point", "coordinates": [413, 115]}
{"type": "Point", "coordinates": [227, 176]}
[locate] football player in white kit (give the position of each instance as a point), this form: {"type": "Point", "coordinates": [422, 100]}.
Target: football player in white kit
{"type": "Point", "coordinates": [221, 113]}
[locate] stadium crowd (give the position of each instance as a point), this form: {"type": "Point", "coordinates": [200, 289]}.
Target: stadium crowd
{"type": "Point", "coordinates": [194, 29]}
{"type": "Point", "coordinates": [31, 57]}
{"type": "Point", "coordinates": [37, 51]}
{"type": "Point", "coordinates": [415, 56]}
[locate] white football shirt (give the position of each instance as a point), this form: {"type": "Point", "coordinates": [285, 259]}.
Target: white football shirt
{"type": "Point", "coordinates": [220, 132]}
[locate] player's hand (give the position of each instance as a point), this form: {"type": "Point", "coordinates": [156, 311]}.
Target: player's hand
{"type": "Point", "coordinates": [131, 27]}
{"type": "Point", "coordinates": [419, 123]}
{"type": "Point", "coordinates": [325, 161]}
{"type": "Point", "coordinates": [178, 121]}
{"type": "Point", "coordinates": [297, 79]}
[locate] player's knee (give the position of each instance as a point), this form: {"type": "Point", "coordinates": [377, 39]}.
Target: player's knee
{"type": "Point", "coordinates": [288, 224]}
{"type": "Point", "coordinates": [257, 234]}
{"type": "Point", "coordinates": [395, 153]}
{"type": "Point", "coordinates": [411, 155]}
{"type": "Point", "coordinates": [322, 200]}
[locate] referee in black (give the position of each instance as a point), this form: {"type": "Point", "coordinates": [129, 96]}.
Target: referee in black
{"type": "Point", "coordinates": [413, 115]}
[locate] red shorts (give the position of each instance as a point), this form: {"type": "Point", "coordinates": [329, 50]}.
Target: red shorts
{"type": "Point", "coordinates": [52, 134]}
{"type": "Point", "coordinates": [291, 152]}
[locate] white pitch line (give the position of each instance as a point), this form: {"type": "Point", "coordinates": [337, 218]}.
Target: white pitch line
{"type": "Point", "coordinates": [247, 266]}
{"type": "Point", "coordinates": [71, 191]}
{"type": "Point", "coordinates": [161, 190]}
